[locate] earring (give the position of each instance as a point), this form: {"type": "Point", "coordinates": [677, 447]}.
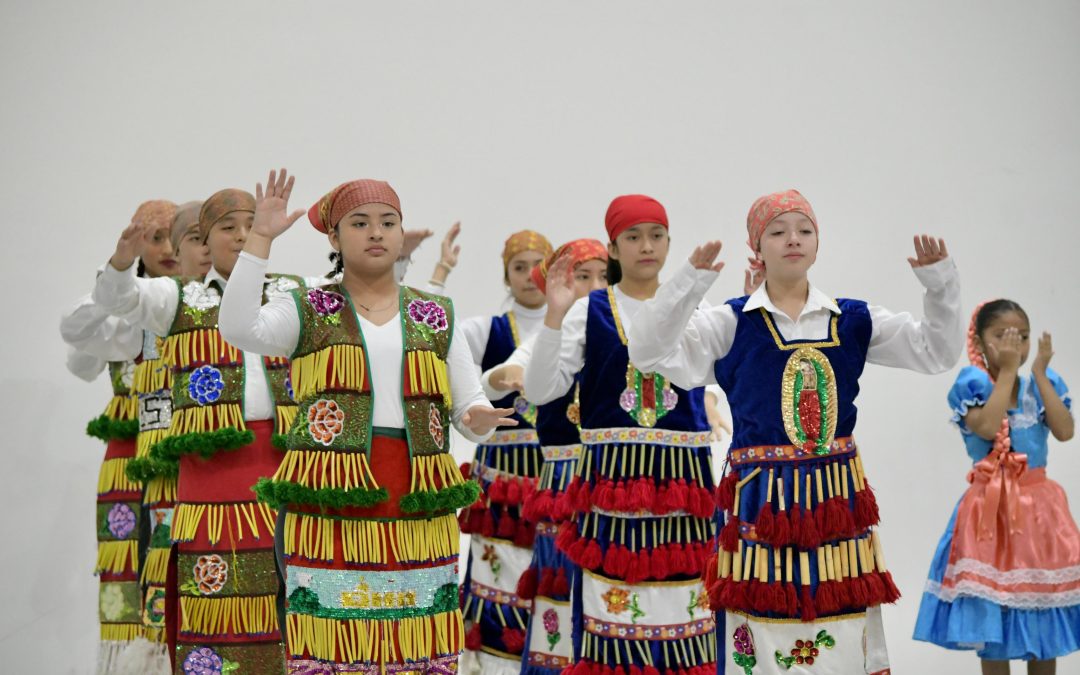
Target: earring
{"type": "Point", "coordinates": [986, 364]}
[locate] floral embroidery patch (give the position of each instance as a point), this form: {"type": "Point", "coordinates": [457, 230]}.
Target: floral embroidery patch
{"type": "Point", "coordinates": [114, 605]}
{"type": "Point", "coordinates": [551, 627]}
{"type": "Point", "coordinates": [491, 557]}
{"type": "Point", "coordinates": [154, 606]}
{"type": "Point", "coordinates": [205, 661]}
{"type": "Point", "coordinates": [327, 304]}
{"type": "Point", "coordinates": [428, 313]}
{"type": "Point", "coordinates": [208, 576]}
{"type": "Point", "coordinates": [280, 286]}
{"type": "Point", "coordinates": [743, 649]}
{"type": "Point", "coordinates": [805, 652]}
{"type": "Point", "coordinates": [326, 420]}
{"type": "Point", "coordinates": [199, 298]}
{"type": "Point", "coordinates": [435, 426]}
{"type": "Point", "coordinates": [205, 385]}
{"type": "Point", "coordinates": [121, 520]}
{"type": "Point", "coordinates": [620, 600]}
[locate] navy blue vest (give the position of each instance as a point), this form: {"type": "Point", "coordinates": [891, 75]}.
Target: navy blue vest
{"type": "Point", "coordinates": [603, 379]}
{"type": "Point", "coordinates": [552, 425]}
{"type": "Point", "coordinates": [752, 373]}
{"type": "Point", "coordinates": [500, 346]}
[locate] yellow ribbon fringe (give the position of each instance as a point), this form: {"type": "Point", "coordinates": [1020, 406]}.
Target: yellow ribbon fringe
{"type": "Point", "coordinates": [117, 557]}
{"type": "Point", "coordinates": [112, 478]}
{"type": "Point", "coordinates": [155, 634]}
{"type": "Point", "coordinates": [224, 616]}
{"type": "Point", "coordinates": [160, 490]}
{"type": "Point", "coordinates": [122, 408]}
{"type": "Point", "coordinates": [197, 347]}
{"type": "Point", "coordinates": [120, 632]}
{"type": "Point", "coordinates": [314, 373]}
{"type": "Point", "coordinates": [367, 542]}
{"type": "Point", "coordinates": [427, 375]}
{"type": "Point", "coordinates": [148, 439]}
{"type": "Point", "coordinates": [156, 566]}
{"type": "Point", "coordinates": [325, 468]}
{"type": "Point", "coordinates": [432, 472]}
{"type": "Point", "coordinates": [285, 416]}
{"type": "Point", "coordinates": [150, 376]}
{"type": "Point", "coordinates": [353, 640]}
{"type": "Point", "coordinates": [198, 419]}
{"type": "Point", "coordinates": [188, 517]}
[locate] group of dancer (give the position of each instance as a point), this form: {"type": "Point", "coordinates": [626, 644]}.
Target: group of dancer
{"type": "Point", "coordinates": [278, 492]}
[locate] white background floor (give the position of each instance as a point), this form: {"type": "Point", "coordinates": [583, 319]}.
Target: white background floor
{"type": "Point", "coordinates": [955, 118]}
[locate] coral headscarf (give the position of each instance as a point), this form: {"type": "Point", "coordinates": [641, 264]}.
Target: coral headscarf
{"type": "Point", "coordinates": [328, 211]}
{"type": "Point", "coordinates": [580, 251]}
{"type": "Point", "coordinates": [765, 209]}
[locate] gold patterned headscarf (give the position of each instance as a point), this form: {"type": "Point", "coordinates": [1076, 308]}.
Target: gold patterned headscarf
{"type": "Point", "coordinates": [221, 204]}
{"type": "Point", "coordinates": [526, 240]}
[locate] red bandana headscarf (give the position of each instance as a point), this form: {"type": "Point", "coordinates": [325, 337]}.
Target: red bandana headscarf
{"type": "Point", "coordinates": [580, 251]}
{"type": "Point", "coordinates": [630, 210]}
{"type": "Point", "coordinates": [328, 211]}
{"type": "Point", "coordinates": [765, 209]}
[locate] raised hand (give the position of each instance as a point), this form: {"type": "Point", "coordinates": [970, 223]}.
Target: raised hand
{"type": "Point", "coordinates": [704, 256]}
{"type": "Point", "coordinates": [928, 251]}
{"type": "Point", "coordinates": [413, 239]}
{"type": "Point", "coordinates": [508, 378]}
{"type": "Point", "coordinates": [1043, 355]}
{"type": "Point", "coordinates": [1006, 355]}
{"type": "Point", "coordinates": [450, 250]}
{"type": "Point", "coordinates": [481, 419]}
{"type": "Point", "coordinates": [752, 280]}
{"type": "Point", "coordinates": [271, 208]}
{"type": "Point", "coordinates": [130, 245]}
{"type": "Point", "coordinates": [560, 288]}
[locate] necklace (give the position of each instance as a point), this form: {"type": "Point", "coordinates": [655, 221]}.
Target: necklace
{"type": "Point", "coordinates": [368, 309]}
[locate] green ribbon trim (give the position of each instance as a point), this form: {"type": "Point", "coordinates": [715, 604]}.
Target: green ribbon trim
{"type": "Point", "coordinates": [388, 432]}
{"type": "Point", "coordinates": [305, 601]}
{"type": "Point", "coordinates": [446, 499]}
{"type": "Point", "coordinates": [108, 429]}
{"type": "Point", "coordinates": [205, 444]}
{"type": "Point", "coordinates": [279, 493]}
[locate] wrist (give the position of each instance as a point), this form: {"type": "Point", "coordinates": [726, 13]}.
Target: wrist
{"type": "Point", "coordinates": [121, 263]}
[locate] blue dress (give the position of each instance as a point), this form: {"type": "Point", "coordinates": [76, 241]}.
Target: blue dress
{"type": "Point", "coordinates": [1015, 595]}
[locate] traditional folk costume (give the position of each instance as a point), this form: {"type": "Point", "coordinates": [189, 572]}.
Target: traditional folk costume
{"type": "Point", "coordinates": [507, 466]}
{"type": "Point", "coordinates": [368, 489]}
{"type": "Point", "coordinates": [800, 573]}
{"type": "Point", "coordinates": [226, 407]}
{"type": "Point", "coordinates": [1005, 579]}
{"type": "Point", "coordinates": [643, 523]}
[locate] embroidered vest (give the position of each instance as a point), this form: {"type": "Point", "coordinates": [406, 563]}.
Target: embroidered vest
{"type": "Point", "coordinates": [334, 391]}
{"type": "Point", "coordinates": [119, 419]}
{"type": "Point", "coordinates": [502, 341]}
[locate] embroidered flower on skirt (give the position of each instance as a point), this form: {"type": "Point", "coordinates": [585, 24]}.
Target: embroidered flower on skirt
{"type": "Point", "coordinates": [325, 420]}
{"type": "Point", "coordinates": [121, 520]}
{"type": "Point", "coordinates": [327, 304]}
{"type": "Point", "coordinates": [205, 385]}
{"type": "Point", "coordinates": [428, 313]}
{"type": "Point", "coordinates": [743, 646]}
{"type": "Point", "coordinates": [551, 627]}
{"type": "Point", "coordinates": [210, 572]}
{"type": "Point", "coordinates": [205, 661]}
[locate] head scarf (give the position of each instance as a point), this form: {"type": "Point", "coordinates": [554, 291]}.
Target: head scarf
{"type": "Point", "coordinates": [221, 204]}
{"type": "Point", "coordinates": [328, 211]}
{"type": "Point", "coordinates": [526, 240]}
{"type": "Point", "coordinates": [580, 251]}
{"type": "Point", "coordinates": [185, 220]}
{"type": "Point", "coordinates": [630, 210]}
{"type": "Point", "coordinates": [765, 209]}
{"type": "Point", "coordinates": [157, 212]}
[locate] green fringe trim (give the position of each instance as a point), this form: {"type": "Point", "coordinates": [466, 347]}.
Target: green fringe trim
{"type": "Point", "coordinates": [447, 499]}
{"type": "Point", "coordinates": [279, 441]}
{"type": "Point", "coordinates": [278, 493]}
{"type": "Point", "coordinates": [106, 429]}
{"type": "Point", "coordinates": [143, 469]}
{"type": "Point", "coordinates": [205, 444]}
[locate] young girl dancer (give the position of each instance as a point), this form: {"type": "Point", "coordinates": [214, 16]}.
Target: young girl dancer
{"type": "Point", "coordinates": [800, 573]}
{"type": "Point", "coordinates": [1005, 580]}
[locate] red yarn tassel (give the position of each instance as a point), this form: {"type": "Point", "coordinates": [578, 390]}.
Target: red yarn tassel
{"type": "Point", "coordinates": [507, 526]}
{"type": "Point", "coordinates": [562, 508]}
{"type": "Point", "coordinates": [791, 597]}
{"type": "Point", "coordinates": [513, 492]}
{"type": "Point", "coordinates": [497, 491]}
{"type": "Point", "coordinates": [645, 563]}
{"type": "Point", "coordinates": [843, 594]}
{"type": "Point", "coordinates": [663, 497]}
{"type": "Point", "coordinates": [716, 594]}
{"type": "Point", "coordinates": [875, 589]}
{"type": "Point", "coordinates": [612, 560]}
{"type": "Point", "coordinates": [765, 527]}
{"type": "Point", "coordinates": [844, 518]}
{"type": "Point", "coordinates": [677, 559]}
{"type": "Point", "coordinates": [807, 610]}
{"type": "Point", "coordinates": [546, 586]}
{"type": "Point", "coordinates": [860, 595]}
{"type": "Point", "coordinates": [650, 670]}
{"type": "Point", "coordinates": [513, 639]}
{"type": "Point", "coordinates": [604, 495]}
{"type": "Point", "coordinates": [826, 597]}
{"type": "Point", "coordinates": [621, 498]}
{"type": "Point", "coordinates": [525, 536]}
{"type": "Point", "coordinates": [725, 492]}
{"type": "Point", "coordinates": [561, 585]}
{"type": "Point", "coordinates": [577, 551]}
{"type": "Point", "coordinates": [729, 535]}
{"type": "Point", "coordinates": [866, 509]}
{"type": "Point", "coordinates": [661, 568]}
{"type": "Point", "coordinates": [526, 586]}
{"type": "Point", "coordinates": [642, 495]}
{"type": "Point", "coordinates": [473, 639]}
{"type": "Point", "coordinates": [487, 528]}
{"type": "Point", "coordinates": [567, 536]}
{"type": "Point", "coordinates": [781, 535]}
{"type": "Point", "coordinates": [808, 535]}
{"type": "Point", "coordinates": [634, 573]}
{"type": "Point", "coordinates": [592, 557]}
{"type": "Point", "coordinates": [892, 593]}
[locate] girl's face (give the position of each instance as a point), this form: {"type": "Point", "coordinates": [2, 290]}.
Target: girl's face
{"type": "Point", "coordinates": [994, 331]}
{"type": "Point", "coordinates": [519, 277]}
{"type": "Point", "coordinates": [789, 246]}
{"type": "Point", "coordinates": [641, 251]}
{"type": "Point", "coordinates": [194, 254]}
{"type": "Point", "coordinates": [226, 240]}
{"type": "Point", "coordinates": [589, 276]}
{"type": "Point", "coordinates": [157, 254]}
{"type": "Point", "coordinates": [370, 238]}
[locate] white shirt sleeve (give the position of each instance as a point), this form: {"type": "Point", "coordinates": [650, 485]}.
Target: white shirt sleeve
{"type": "Point", "coordinates": [520, 357]}
{"type": "Point", "coordinates": [932, 344]}
{"type": "Point", "coordinates": [464, 386]}
{"type": "Point", "coordinates": [475, 330]}
{"type": "Point", "coordinates": [677, 335]}
{"type": "Point", "coordinates": [89, 328]}
{"type": "Point", "coordinates": [271, 329]}
{"type": "Point", "coordinates": [557, 355]}
{"type": "Point", "coordinates": [83, 365]}
{"type": "Point", "coordinates": [144, 303]}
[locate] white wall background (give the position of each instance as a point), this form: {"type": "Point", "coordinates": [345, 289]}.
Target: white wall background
{"type": "Point", "coordinates": [956, 118]}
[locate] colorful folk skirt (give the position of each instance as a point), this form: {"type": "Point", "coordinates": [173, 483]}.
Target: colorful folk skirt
{"type": "Point", "coordinates": [799, 575]}
{"type": "Point", "coordinates": [1005, 579]}
{"type": "Point", "coordinates": [496, 618]}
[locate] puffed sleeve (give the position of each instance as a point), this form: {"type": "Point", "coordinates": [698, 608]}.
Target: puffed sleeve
{"type": "Point", "coordinates": [1060, 387]}
{"type": "Point", "coordinates": [972, 389]}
